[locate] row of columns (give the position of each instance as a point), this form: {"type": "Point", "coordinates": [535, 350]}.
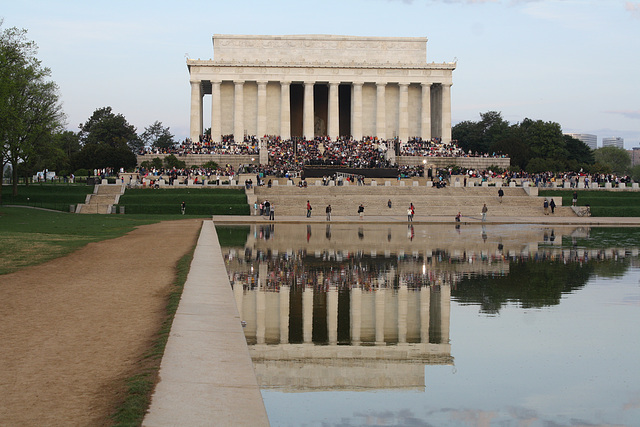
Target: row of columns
{"type": "Point", "coordinates": [308, 110]}
{"type": "Point", "coordinates": [355, 313]}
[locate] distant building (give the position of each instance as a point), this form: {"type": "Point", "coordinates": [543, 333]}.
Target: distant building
{"type": "Point", "coordinates": [587, 138]}
{"type": "Point", "coordinates": [635, 156]}
{"type": "Point", "coordinates": [613, 141]}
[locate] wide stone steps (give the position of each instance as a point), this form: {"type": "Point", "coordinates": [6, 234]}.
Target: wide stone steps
{"type": "Point", "coordinates": [102, 199]}
{"type": "Point", "coordinates": [427, 201]}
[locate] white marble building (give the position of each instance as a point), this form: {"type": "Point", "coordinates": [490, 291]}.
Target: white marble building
{"type": "Point", "coordinates": [321, 85]}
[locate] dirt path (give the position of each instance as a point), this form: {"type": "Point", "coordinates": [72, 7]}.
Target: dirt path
{"type": "Point", "coordinates": [72, 329]}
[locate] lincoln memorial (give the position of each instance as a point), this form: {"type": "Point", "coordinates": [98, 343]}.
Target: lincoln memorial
{"type": "Point", "coordinates": [321, 85]}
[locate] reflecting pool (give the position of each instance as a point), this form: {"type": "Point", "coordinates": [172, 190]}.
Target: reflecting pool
{"type": "Point", "coordinates": [433, 325]}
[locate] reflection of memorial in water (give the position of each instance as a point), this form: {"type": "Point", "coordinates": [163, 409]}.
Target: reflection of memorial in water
{"type": "Point", "coordinates": [338, 307]}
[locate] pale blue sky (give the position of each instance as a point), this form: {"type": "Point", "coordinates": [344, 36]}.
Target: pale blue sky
{"type": "Point", "coordinates": [575, 62]}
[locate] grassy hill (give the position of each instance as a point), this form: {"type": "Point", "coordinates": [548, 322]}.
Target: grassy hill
{"type": "Point", "coordinates": [603, 203]}
{"type": "Point", "coordinates": [203, 201]}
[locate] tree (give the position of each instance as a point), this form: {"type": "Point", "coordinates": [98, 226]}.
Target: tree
{"type": "Point", "coordinates": [616, 158]}
{"type": "Point", "coordinates": [479, 136]}
{"type": "Point", "coordinates": [29, 108]}
{"type": "Point", "coordinates": [157, 136]}
{"type": "Point", "coordinates": [107, 139]}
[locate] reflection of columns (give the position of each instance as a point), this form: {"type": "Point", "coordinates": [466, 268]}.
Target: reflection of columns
{"type": "Point", "coordinates": [446, 113]}
{"type": "Point", "coordinates": [332, 314]}
{"type": "Point", "coordinates": [403, 296]}
{"type": "Point", "coordinates": [285, 111]}
{"type": "Point", "coordinates": [445, 312]}
{"type": "Point", "coordinates": [308, 120]}
{"type": "Point", "coordinates": [284, 314]}
{"type": "Point", "coordinates": [403, 113]}
{"type": "Point", "coordinates": [238, 111]}
{"type": "Point", "coordinates": [425, 301]}
{"type": "Point", "coordinates": [356, 120]}
{"type": "Point", "coordinates": [261, 315]}
{"type": "Point", "coordinates": [216, 113]}
{"type": "Point", "coordinates": [196, 110]}
{"type": "Point", "coordinates": [380, 303]}
{"type": "Point", "coordinates": [356, 315]}
{"type": "Point", "coordinates": [307, 315]}
{"type": "Point", "coordinates": [425, 117]}
{"type": "Point", "coordinates": [333, 128]}
{"type": "Point", "coordinates": [238, 292]}
{"type": "Point", "coordinates": [381, 111]}
{"type": "Point", "coordinates": [262, 109]}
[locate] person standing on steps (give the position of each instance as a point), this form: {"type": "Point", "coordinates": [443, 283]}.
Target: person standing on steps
{"type": "Point", "coordinates": [546, 206]}
{"type": "Point", "coordinates": [575, 198]}
{"type": "Point", "coordinates": [500, 194]}
{"type": "Point", "coordinates": [484, 212]}
{"type": "Point", "coordinates": [552, 205]}
{"type": "Point", "coordinates": [389, 203]}
{"type": "Point", "coordinates": [328, 210]}
{"type": "Point", "coordinates": [409, 216]}
{"type": "Point", "coordinates": [413, 210]}
{"type": "Point", "coordinates": [183, 207]}
{"type": "Point", "coordinates": [309, 209]}
{"type": "Point", "coordinates": [361, 211]}
{"type": "Point", "coordinates": [272, 212]}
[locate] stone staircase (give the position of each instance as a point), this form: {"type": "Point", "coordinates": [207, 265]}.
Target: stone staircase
{"type": "Point", "coordinates": [428, 201]}
{"type": "Point", "coordinates": [103, 198]}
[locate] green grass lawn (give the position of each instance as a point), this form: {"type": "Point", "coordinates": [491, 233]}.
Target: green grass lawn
{"type": "Point", "coordinates": [603, 203]}
{"type": "Point", "coordinates": [54, 196]}
{"type": "Point", "coordinates": [32, 236]}
{"type": "Point", "coordinates": [199, 201]}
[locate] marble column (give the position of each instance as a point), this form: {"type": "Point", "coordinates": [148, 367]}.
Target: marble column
{"type": "Point", "coordinates": [356, 315]}
{"type": "Point", "coordinates": [425, 114]}
{"type": "Point", "coordinates": [216, 113]}
{"type": "Point", "coordinates": [381, 111]}
{"type": "Point", "coordinates": [446, 113]}
{"type": "Point", "coordinates": [445, 312]}
{"type": "Point", "coordinates": [356, 118]}
{"type": "Point", "coordinates": [308, 118]}
{"type": "Point", "coordinates": [425, 304]}
{"type": "Point", "coordinates": [196, 110]}
{"type": "Point", "coordinates": [284, 314]}
{"type": "Point", "coordinates": [333, 128]}
{"type": "Point", "coordinates": [307, 315]}
{"type": "Point", "coordinates": [285, 110]}
{"type": "Point", "coordinates": [332, 314]}
{"type": "Point", "coordinates": [262, 109]}
{"type": "Point", "coordinates": [238, 111]}
{"type": "Point", "coordinates": [261, 315]}
{"type": "Point", "coordinates": [403, 297]}
{"type": "Point", "coordinates": [380, 312]}
{"type": "Point", "coordinates": [403, 113]}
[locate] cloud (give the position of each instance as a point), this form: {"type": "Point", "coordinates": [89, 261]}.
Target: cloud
{"type": "Point", "coordinates": [633, 9]}
{"type": "Point", "coordinates": [629, 114]}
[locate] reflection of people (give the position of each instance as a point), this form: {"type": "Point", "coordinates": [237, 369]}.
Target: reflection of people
{"type": "Point", "coordinates": [328, 210]}
{"type": "Point", "coordinates": [183, 207]}
{"type": "Point", "coordinates": [484, 233]}
{"type": "Point", "coordinates": [328, 232]}
{"type": "Point", "coordinates": [484, 212]}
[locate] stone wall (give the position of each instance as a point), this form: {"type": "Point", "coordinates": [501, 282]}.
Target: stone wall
{"type": "Point", "coordinates": [466, 162]}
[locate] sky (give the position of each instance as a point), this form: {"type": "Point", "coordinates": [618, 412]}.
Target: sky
{"type": "Point", "coordinates": [574, 62]}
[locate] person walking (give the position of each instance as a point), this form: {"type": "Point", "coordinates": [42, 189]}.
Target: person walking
{"type": "Point", "coordinates": [500, 194]}
{"type": "Point", "coordinates": [328, 210]}
{"type": "Point", "coordinates": [552, 205]}
{"type": "Point", "coordinates": [361, 211]}
{"type": "Point", "coordinates": [309, 209]}
{"type": "Point", "coordinates": [484, 212]}
{"type": "Point", "coordinates": [413, 210]}
{"type": "Point", "coordinates": [409, 216]}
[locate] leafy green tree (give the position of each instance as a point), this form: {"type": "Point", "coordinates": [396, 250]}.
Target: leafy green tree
{"type": "Point", "coordinates": [157, 136]}
{"type": "Point", "coordinates": [30, 111]}
{"type": "Point", "coordinates": [545, 139]}
{"type": "Point", "coordinates": [635, 173]}
{"type": "Point", "coordinates": [106, 142]}
{"type": "Point", "coordinates": [106, 127]}
{"type": "Point", "coordinates": [578, 151]}
{"type": "Point", "coordinates": [171, 161]}
{"type": "Point", "coordinates": [479, 136]}
{"type": "Point", "coordinates": [615, 158]}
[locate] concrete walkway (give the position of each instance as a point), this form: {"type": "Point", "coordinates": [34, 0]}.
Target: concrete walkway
{"type": "Point", "coordinates": [206, 375]}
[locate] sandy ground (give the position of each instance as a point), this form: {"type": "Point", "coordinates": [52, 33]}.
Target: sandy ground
{"type": "Point", "coordinates": [73, 329]}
